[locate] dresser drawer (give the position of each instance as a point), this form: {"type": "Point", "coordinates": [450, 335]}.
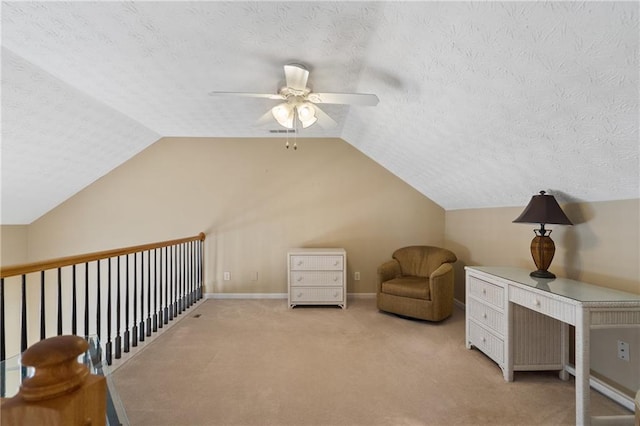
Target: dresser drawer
{"type": "Point", "coordinates": [488, 343]}
{"type": "Point", "coordinates": [316, 295]}
{"type": "Point", "coordinates": [545, 305]}
{"type": "Point", "coordinates": [484, 314]}
{"type": "Point", "coordinates": [486, 292]}
{"type": "Point", "coordinates": [316, 278]}
{"type": "Point", "coordinates": [315, 262]}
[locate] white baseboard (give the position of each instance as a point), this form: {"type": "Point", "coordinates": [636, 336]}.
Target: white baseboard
{"type": "Point", "coordinates": [135, 350]}
{"type": "Point", "coordinates": [245, 295]}
{"type": "Point", "coordinates": [273, 295]}
{"type": "Point", "coordinates": [607, 390]}
{"type": "Point", "coordinates": [362, 295]}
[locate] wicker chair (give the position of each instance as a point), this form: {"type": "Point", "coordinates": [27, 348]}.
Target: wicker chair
{"type": "Point", "coordinates": [417, 283]}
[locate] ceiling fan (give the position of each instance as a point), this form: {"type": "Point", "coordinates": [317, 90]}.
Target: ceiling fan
{"type": "Point", "coordinates": [301, 103]}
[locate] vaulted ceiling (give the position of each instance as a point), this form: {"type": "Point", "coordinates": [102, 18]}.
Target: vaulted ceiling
{"type": "Point", "coordinates": [482, 104]}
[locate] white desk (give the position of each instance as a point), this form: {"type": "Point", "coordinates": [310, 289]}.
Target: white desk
{"type": "Point", "coordinates": [494, 296]}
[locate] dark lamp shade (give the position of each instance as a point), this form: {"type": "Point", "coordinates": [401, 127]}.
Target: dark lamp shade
{"type": "Point", "coordinates": [543, 209]}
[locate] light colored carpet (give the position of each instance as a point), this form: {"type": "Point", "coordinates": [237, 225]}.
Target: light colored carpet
{"type": "Point", "coordinates": [255, 362]}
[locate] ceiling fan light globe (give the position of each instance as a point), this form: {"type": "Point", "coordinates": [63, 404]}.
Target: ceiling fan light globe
{"type": "Point", "coordinates": [281, 111]}
{"type": "Point", "coordinates": [283, 115]}
{"type": "Point", "coordinates": [306, 111]}
{"type": "Point", "coordinates": [309, 122]}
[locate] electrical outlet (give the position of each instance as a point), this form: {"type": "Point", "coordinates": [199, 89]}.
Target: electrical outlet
{"type": "Point", "coordinates": [227, 276]}
{"type": "Point", "coordinates": [623, 350]}
{"type": "Point", "coordinates": [356, 276]}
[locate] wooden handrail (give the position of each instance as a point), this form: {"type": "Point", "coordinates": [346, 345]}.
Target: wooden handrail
{"type": "Point", "coordinates": [11, 271]}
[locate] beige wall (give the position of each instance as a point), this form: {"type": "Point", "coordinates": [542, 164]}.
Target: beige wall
{"type": "Point", "coordinates": [602, 248]}
{"type": "Point", "coordinates": [13, 247]}
{"type": "Point", "coordinates": [254, 199]}
{"type": "Point", "coordinates": [13, 251]}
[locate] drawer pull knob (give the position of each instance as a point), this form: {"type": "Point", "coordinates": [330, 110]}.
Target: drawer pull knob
{"type": "Point", "coordinates": [300, 279]}
{"type": "Point", "coordinates": [300, 262]}
{"type": "Point", "coordinates": [484, 340]}
{"type": "Point", "coordinates": [536, 302]}
{"type": "Point", "coordinates": [299, 294]}
{"type": "Point", "coordinates": [484, 315]}
{"type": "Point", "coordinates": [335, 279]}
{"type": "Point", "coordinates": [484, 291]}
{"type": "Point", "coordinates": [336, 263]}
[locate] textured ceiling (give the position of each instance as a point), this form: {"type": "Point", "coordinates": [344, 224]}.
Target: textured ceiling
{"type": "Point", "coordinates": [482, 104]}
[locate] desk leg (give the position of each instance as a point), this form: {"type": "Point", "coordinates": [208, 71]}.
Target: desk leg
{"type": "Point", "coordinates": [564, 348]}
{"type": "Point", "coordinates": [507, 371]}
{"type": "Point", "coordinates": [583, 325]}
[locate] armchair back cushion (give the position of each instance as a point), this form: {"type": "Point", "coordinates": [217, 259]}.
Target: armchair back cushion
{"type": "Point", "coordinates": [421, 261]}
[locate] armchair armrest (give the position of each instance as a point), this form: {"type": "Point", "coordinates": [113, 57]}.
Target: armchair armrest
{"type": "Point", "coordinates": [441, 287]}
{"type": "Point", "coordinates": [442, 271]}
{"type": "Point", "coordinates": [388, 271]}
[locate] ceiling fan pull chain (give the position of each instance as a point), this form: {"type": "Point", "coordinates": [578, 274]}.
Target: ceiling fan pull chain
{"type": "Point", "coordinates": [295, 129]}
{"type": "Point", "coordinates": [287, 144]}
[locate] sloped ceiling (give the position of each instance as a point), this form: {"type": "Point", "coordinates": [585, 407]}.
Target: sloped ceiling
{"type": "Point", "coordinates": [482, 104]}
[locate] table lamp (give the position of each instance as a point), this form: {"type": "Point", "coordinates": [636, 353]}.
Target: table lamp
{"type": "Point", "coordinates": [543, 209]}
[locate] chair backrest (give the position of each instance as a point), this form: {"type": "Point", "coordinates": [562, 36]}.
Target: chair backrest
{"type": "Point", "coordinates": [421, 261]}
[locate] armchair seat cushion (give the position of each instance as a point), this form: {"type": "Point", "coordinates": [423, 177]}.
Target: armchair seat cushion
{"type": "Point", "coordinates": [408, 286]}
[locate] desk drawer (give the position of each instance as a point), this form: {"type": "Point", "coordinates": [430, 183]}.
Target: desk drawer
{"type": "Point", "coordinates": [488, 343]}
{"type": "Point", "coordinates": [546, 305]}
{"type": "Point", "coordinates": [484, 314]}
{"type": "Point", "coordinates": [486, 292]}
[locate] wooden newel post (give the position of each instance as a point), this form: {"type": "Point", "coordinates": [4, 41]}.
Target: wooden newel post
{"type": "Point", "coordinates": [61, 392]}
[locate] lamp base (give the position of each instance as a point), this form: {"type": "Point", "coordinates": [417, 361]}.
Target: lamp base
{"type": "Point", "coordinates": [542, 274]}
{"type": "Point", "coordinates": [542, 251]}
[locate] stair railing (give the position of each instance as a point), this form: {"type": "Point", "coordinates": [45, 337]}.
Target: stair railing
{"type": "Point", "coordinates": [126, 295]}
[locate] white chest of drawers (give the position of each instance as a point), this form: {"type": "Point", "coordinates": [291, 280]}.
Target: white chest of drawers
{"type": "Point", "coordinates": [317, 276]}
{"type": "Point", "coordinates": [486, 326]}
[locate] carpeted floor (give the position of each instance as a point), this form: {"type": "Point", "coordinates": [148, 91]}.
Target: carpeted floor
{"type": "Point", "coordinates": [255, 362]}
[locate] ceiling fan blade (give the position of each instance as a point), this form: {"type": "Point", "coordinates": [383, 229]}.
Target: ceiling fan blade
{"type": "Point", "coordinates": [296, 76]}
{"type": "Point", "coordinates": [273, 96]}
{"type": "Point", "coordinates": [266, 118]}
{"type": "Point", "coordinates": [344, 98]}
{"type": "Point", "coordinates": [324, 120]}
